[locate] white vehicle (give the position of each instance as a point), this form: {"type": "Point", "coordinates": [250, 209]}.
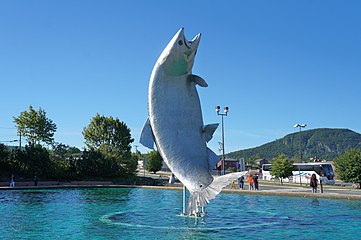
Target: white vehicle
{"type": "Point", "coordinates": [302, 172]}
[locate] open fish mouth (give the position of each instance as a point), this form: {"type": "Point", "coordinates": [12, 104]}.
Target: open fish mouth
{"type": "Point", "coordinates": [193, 43]}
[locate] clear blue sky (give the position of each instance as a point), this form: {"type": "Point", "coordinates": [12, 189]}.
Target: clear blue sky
{"type": "Point", "coordinates": [273, 63]}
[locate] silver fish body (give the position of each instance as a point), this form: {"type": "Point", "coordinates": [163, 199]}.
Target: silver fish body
{"type": "Point", "coordinates": [175, 115]}
{"type": "Point", "coordinates": [175, 121]}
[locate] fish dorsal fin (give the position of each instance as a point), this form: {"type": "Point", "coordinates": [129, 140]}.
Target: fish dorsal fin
{"type": "Point", "coordinates": [198, 80]}
{"type": "Point", "coordinates": [213, 159]}
{"type": "Point", "coordinates": [146, 136]}
{"type": "Point", "coordinates": [209, 130]}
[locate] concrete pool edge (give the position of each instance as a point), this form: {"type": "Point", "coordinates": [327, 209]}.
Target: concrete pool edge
{"type": "Point", "coordinates": [275, 193]}
{"type": "Point", "coordinates": [284, 192]}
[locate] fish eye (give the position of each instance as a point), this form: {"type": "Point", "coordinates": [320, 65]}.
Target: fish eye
{"type": "Point", "coordinates": [180, 42]}
{"type": "Point", "coordinates": [200, 185]}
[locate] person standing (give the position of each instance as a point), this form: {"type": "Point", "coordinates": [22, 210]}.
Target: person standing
{"type": "Point", "coordinates": [12, 181]}
{"type": "Point", "coordinates": [241, 182]}
{"type": "Point", "coordinates": [255, 182]}
{"type": "Point", "coordinates": [314, 183]}
{"type": "Point", "coordinates": [250, 182]}
{"type": "Point", "coordinates": [36, 181]}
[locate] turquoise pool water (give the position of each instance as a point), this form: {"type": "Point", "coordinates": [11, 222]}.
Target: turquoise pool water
{"type": "Point", "coordinates": [116, 213]}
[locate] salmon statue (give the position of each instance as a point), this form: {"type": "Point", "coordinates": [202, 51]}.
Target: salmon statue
{"type": "Point", "coordinates": [175, 123]}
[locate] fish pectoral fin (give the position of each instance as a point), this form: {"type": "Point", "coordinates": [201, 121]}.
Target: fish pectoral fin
{"type": "Point", "coordinates": [213, 159]}
{"type": "Point", "coordinates": [209, 130]}
{"type": "Point", "coordinates": [146, 136]}
{"type": "Point", "coordinates": [198, 80]}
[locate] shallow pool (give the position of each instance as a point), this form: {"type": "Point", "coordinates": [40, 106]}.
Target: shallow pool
{"type": "Point", "coordinates": [135, 213]}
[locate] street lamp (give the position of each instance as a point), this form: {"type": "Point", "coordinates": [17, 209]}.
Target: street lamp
{"type": "Point", "coordinates": [225, 110]}
{"type": "Point", "coordinates": [300, 126]}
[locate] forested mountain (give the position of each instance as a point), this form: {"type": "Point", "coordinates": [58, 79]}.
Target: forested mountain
{"type": "Point", "coordinates": [323, 143]}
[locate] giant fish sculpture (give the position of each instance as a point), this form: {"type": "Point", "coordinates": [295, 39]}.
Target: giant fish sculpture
{"type": "Point", "coordinates": [175, 122]}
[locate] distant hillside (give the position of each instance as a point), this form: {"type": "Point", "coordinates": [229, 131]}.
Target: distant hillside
{"type": "Point", "coordinates": [323, 143]}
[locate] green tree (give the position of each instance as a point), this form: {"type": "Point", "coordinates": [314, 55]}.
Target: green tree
{"type": "Point", "coordinates": [60, 149]}
{"type": "Point", "coordinates": [126, 164]}
{"type": "Point", "coordinates": [34, 160]}
{"type": "Point", "coordinates": [111, 139]}
{"type": "Point", "coordinates": [4, 159]}
{"type": "Point", "coordinates": [4, 152]}
{"type": "Point", "coordinates": [348, 166]}
{"type": "Point", "coordinates": [63, 161]}
{"type": "Point", "coordinates": [251, 161]}
{"type": "Point", "coordinates": [107, 131]}
{"type": "Point", "coordinates": [89, 163]}
{"type": "Point", "coordinates": [63, 169]}
{"type": "Point", "coordinates": [35, 126]}
{"type": "Point", "coordinates": [154, 162]}
{"type": "Point", "coordinates": [12, 165]}
{"type": "Point", "coordinates": [74, 152]}
{"type": "Point", "coordinates": [281, 167]}
{"type": "Point", "coordinates": [65, 151]}
{"type": "Point", "coordinates": [297, 158]}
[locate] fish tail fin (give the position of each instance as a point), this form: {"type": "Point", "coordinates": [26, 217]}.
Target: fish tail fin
{"type": "Point", "coordinates": [201, 198]}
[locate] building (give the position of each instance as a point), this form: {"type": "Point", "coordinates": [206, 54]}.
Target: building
{"type": "Point", "coordinates": [231, 165]}
{"type": "Point", "coordinates": [261, 161]}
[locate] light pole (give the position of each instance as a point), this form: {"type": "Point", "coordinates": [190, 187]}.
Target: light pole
{"type": "Point", "coordinates": [300, 126]}
{"type": "Point", "coordinates": [225, 110]}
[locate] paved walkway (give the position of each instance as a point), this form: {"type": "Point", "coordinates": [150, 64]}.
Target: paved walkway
{"type": "Point", "coordinates": [266, 187]}
{"type": "Point", "coordinates": [291, 189]}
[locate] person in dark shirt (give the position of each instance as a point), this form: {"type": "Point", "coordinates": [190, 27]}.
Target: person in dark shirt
{"type": "Point", "coordinates": [314, 183]}
{"type": "Point", "coordinates": [241, 182]}
{"type": "Point", "coordinates": [255, 182]}
{"type": "Point", "coordinates": [36, 181]}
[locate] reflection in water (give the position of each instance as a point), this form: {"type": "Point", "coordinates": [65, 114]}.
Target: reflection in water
{"type": "Point", "coordinates": [315, 202]}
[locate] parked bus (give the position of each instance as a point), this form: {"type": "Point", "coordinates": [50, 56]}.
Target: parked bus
{"type": "Point", "coordinates": [302, 172]}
